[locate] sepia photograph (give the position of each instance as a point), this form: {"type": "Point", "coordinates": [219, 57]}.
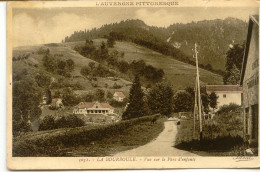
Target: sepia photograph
{"type": "Point", "coordinates": [124, 82]}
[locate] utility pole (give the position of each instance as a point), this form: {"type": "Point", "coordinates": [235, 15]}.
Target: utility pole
{"type": "Point", "coordinates": [195, 114]}
{"type": "Point", "coordinates": [198, 87]}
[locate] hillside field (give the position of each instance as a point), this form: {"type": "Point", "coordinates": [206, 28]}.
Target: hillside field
{"type": "Point", "coordinates": [178, 74]}
{"type": "Point", "coordinates": [64, 52]}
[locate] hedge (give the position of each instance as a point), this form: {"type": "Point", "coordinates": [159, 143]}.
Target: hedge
{"type": "Point", "coordinates": [51, 143]}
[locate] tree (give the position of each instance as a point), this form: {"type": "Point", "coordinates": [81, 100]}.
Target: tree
{"type": "Point", "coordinates": [160, 99]}
{"type": "Point", "coordinates": [102, 71]}
{"type": "Point", "coordinates": [49, 63]}
{"type": "Point", "coordinates": [205, 102]}
{"type": "Point", "coordinates": [137, 67]}
{"type": "Point", "coordinates": [85, 71]}
{"type": "Point", "coordinates": [91, 65]}
{"type": "Point", "coordinates": [233, 76]}
{"type": "Point", "coordinates": [123, 66]}
{"type": "Point", "coordinates": [70, 64]}
{"type": "Point", "coordinates": [88, 97]}
{"type": "Point", "coordinates": [61, 64]}
{"type": "Point", "coordinates": [109, 95]}
{"type": "Point", "coordinates": [234, 64]}
{"type": "Point", "coordinates": [43, 80]}
{"type": "Point", "coordinates": [103, 51]}
{"type": "Point", "coordinates": [26, 99]}
{"type": "Point", "coordinates": [110, 42]}
{"type": "Point", "coordinates": [48, 96]}
{"type": "Point", "coordinates": [69, 98]}
{"type": "Point", "coordinates": [235, 56]}
{"type": "Point", "coordinates": [137, 106]}
{"type": "Point", "coordinates": [181, 102]}
{"type": "Point", "coordinates": [100, 95]}
{"type": "Point", "coordinates": [213, 100]}
{"type": "Point", "coordinates": [191, 91]}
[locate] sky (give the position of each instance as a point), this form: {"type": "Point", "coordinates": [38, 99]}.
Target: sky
{"type": "Point", "coordinates": [47, 25]}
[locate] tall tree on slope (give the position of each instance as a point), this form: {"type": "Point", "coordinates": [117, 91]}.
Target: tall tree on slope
{"type": "Point", "coordinates": [137, 107]}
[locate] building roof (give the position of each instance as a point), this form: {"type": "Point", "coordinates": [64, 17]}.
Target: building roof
{"type": "Point", "coordinates": [83, 105]}
{"type": "Point", "coordinates": [106, 105]}
{"type": "Point", "coordinates": [254, 19]}
{"type": "Point", "coordinates": [223, 88]}
{"type": "Point", "coordinates": [119, 94]}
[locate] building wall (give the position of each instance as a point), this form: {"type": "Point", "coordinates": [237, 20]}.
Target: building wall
{"type": "Point", "coordinates": [119, 99]}
{"type": "Point", "coordinates": [227, 98]}
{"type": "Point", "coordinates": [250, 84]}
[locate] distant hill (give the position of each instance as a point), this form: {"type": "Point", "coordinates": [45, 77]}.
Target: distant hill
{"type": "Point", "coordinates": [213, 36]}
{"type": "Point", "coordinates": [177, 40]}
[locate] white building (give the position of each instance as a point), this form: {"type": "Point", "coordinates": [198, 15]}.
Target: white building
{"type": "Point", "coordinates": [119, 96]}
{"type": "Point", "coordinates": [93, 108]}
{"type": "Point", "coordinates": [226, 94]}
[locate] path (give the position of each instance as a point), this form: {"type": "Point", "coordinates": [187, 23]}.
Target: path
{"type": "Point", "coordinates": [161, 146]}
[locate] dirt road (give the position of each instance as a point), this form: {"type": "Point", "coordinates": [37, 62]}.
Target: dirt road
{"type": "Point", "coordinates": [161, 146]}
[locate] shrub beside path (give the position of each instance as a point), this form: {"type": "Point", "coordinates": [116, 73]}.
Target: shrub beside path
{"type": "Point", "coordinates": [161, 146]}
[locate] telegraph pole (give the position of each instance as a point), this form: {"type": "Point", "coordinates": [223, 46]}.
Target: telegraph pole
{"type": "Point", "coordinates": [195, 115]}
{"type": "Point", "coordinates": [198, 88]}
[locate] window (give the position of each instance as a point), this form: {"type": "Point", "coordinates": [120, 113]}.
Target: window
{"type": "Point", "coordinates": [96, 106]}
{"type": "Point", "coordinates": [224, 95]}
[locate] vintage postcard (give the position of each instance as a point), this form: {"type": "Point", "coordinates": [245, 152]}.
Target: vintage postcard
{"type": "Point", "coordinates": [132, 84]}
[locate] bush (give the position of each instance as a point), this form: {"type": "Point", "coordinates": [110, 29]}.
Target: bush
{"type": "Point", "coordinates": [221, 143]}
{"type": "Point", "coordinates": [70, 121]}
{"type": "Point", "coordinates": [78, 86]}
{"type": "Point", "coordinates": [47, 123]}
{"type": "Point", "coordinates": [115, 103]}
{"type": "Point", "coordinates": [85, 71]}
{"type": "Point", "coordinates": [232, 107]}
{"type": "Point", "coordinates": [43, 50]}
{"type": "Point", "coordinates": [115, 86]}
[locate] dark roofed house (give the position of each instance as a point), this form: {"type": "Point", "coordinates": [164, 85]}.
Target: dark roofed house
{"type": "Point", "coordinates": [249, 81]}
{"type": "Point", "coordinates": [226, 94]}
